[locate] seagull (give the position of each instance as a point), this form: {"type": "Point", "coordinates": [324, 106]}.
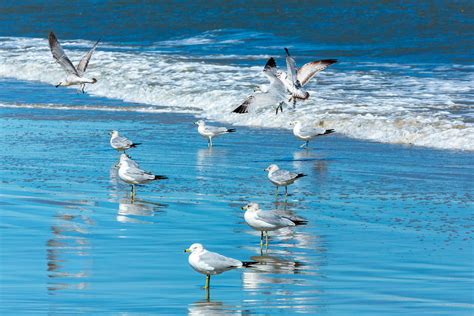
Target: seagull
{"type": "Point", "coordinates": [282, 177]}
{"type": "Point", "coordinates": [130, 173]}
{"type": "Point", "coordinates": [294, 79]}
{"type": "Point", "coordinates": [307, 134]}
{"type": "Point", "coordinates": [211, 263]}
{"type": "Point", "coordinates": [265, 221]}
{"type": "Point", "coordinates": [75, 74]}
{"type": "Point", "coordinates": [274, 93]}
{"type": "Point", "coordinates": [121, 143]}
{"type": "Point", "coordinates": [211, 131]}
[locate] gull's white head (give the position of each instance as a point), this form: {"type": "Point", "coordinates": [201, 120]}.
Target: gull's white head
{"type": "Point", "coordinates": [124, 159]}
{"type": "Point", "coordinates": [195, 248]}
{"type": "Point", "coordinates": [272, 168]}
{"type": "Point", "coordinates": [251, 207]}
{"type": "Point", "coordinates": [114, 133]}
{"type": "Point", "coordinates": [200, 123]}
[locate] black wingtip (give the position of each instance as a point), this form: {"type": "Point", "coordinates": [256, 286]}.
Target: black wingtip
{"type": "Point", "coordinates": [231, 130]}
{"type": "Point", "coordinates": [301, 175]}
{"type": "Point", "coordinates": [329, 61]}
{"type": "Point", "coordinates": [270, 63]}
{"type": "Point", "coordinates": [329, 131]}
{"type": "Point", "coordinates": [242, 109]}
{"type": "Point", "coordinates": [247, 264]}
{"type": "Point", "coordinates": [299, 222]}
{"type": "Point", "coordinates": [160, 177]}
{"type": "Point", "coordinates": [135, 145]}
{"type": "Point", "coordinates": [287, 52]}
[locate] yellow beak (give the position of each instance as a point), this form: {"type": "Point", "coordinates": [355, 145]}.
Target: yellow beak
{"type": "Point", "coordinates": [187, 250]}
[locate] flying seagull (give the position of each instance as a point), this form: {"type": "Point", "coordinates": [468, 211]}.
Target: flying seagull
{"type": "Point", "coordinates": [74, 74]}
{"type": "Point", "coordinates": [282, 178]}
{"type": "Point", "coordinates": [295, 78]}
{"type": "Point", "coordinates": [265, 221]}
{"type": "Point", "coordinates": [274, 93]}
{"type": "Point", "coordinates": [308, 133]}
{"type": "Point", "coordinates": [211, 263]}
{"type": "Point", "coordinates": [211, 131]}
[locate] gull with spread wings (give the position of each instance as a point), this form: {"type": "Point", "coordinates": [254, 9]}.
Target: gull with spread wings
{"type": "Point", "coordinates": [295, 78]}
{"type": "Point", "coordinates": [274, 93]}
{"type": "Point", "coordinates": [74, 74]}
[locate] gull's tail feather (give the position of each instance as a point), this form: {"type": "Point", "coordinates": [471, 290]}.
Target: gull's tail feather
{"type": "Point", "coordinates": [135, 145]}
{"type": "Point", "coordinates": [247, 264]}
{"type": "Point", "coordinates": [329, 131]}
{"type": "Point", "coordinates": [160, 177]}
{"type": "Point", "coordinates": [300, 175]}
{"type": "Point", "coordinates": [231, 130]}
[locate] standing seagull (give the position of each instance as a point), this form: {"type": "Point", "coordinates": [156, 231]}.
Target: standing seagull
{"type": "Point", "coordinates": [265, 221]}
{"type": "Point", "coordinates": [75, 74]}
{"type": "Point", "coordinates": [211, 131]}
{"type": "Point", "coordinates": [274, 93]}
{"type": "Point", "coordinates": [121, 143]}
{"type": "Point", "coordinates": [294, 79]}
{"type": "Point", "coordinates": [282, 178]}
{"type": "Point", "coordinates": [307, 134]}
{"type": "Point", "coordinates": [211, 263]}
{"type": "Point", "coordinates": [130, 173]}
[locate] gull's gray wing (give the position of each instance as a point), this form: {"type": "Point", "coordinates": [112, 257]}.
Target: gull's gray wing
{"type": "Point", "coordinates": [309, 70]}
{"type": "Point", "coordinates": [244, 107]}
{"type": "Point", "coordinates": [313, 131]}
{"type": "Point", "coordinates": [216, 130]}
{"type": "Point", "coordinates": [138, 174]}
{"type": "Point", "coordinates": [283, 175]}
{"type": "Point", "coordinates": [82, 66]}
{"type": "Point", "coordinates": [121, 141]}
{"type": "Point", "coordinates": [60, 55]}
{"type": "Point", "coordinates": [273, 219]}
{"type": "Point", "coordinates": [291, 66]}
{"type": "Point", "coordinates": [219, 262]}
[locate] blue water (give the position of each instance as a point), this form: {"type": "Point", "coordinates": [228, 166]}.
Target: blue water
{"type": "Point", "coordinates": [389, 222]}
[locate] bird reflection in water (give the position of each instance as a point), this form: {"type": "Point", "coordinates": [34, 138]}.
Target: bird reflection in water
{"type": "Point", "coordinates": [68, 260]}
{"type": "Point", "coordinates": [137, 211]}
{"type": "Point", "coordinates": [208, 307]}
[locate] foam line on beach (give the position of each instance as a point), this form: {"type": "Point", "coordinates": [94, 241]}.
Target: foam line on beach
{"type": "Point", "coordinates": [422, 105]}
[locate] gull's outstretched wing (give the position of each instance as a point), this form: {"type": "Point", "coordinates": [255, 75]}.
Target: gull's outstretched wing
{"type": "Point", "coordinates": [60, 55]}
{"type": "Point", "coordinates": [244, 107]}
{"type": "Point", "coordinates": [82, 66]}
{"type": "Point", "coordinates": [309, 70]}
{"type": "Point", "coordinates": [291, 66]}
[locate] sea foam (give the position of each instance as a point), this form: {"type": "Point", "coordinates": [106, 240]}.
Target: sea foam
{"type": "Point", "coordinates": [423, 105]}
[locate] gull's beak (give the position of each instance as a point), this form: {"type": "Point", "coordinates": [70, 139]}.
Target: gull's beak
{"type": "Point", "coordinates": [243, 208]}
{"type": "Point", "coordinates": [187, 250]}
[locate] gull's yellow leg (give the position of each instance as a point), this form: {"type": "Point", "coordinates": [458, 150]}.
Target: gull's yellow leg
{"type": "Point", "coordinates": [266, 240]}
{"type": "Point", "coordinates": [208, 281]}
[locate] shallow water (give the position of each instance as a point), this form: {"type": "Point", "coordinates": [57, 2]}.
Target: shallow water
{"type": "Point", "coordinates": [389, 227]}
